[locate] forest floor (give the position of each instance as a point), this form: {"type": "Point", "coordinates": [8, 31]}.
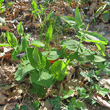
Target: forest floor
{"type": "Point", "coordinates": [13, 92]}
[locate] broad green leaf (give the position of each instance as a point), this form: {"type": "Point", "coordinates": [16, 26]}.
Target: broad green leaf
{"type": "Point", "coordinates": [24, 44]}
{"type": "Point", "coordinates": [78, 104]}
{"type": "Point", "coordinates": [91, 37]}
{"type": "Point", "coordinates": [63, 52]}
{"type": "Point", "coordinates": [31, 59]}
{"type": "Point", "coordinates": [73, 56]}
{"type": "Point", "coordinates": [36, 55]}
{"type": "Point", "coordinates": [27, 36]}
{"type": "Point", "coordinates": [59, 70]}
{"type": "Point", "coordinates": [71, 107]}
{"type": "Point", "coordinates": [43, 78]}
{"type": "Point", "coordinates": [41, 92]}
{"type": "Point", "coordinates": [96, 87]}
{"type": "Point", "coordinates": [37, 43]}
{"type": "Point", "coordinates": [91, 73]}
{"type": "Point", "coordinates": [70, 92]}
{"type": "Point", "coordinates": [52, 55]}
{"type": "Point", "coordinates": [85, 56]}
{"type": "Point", "coordinates": [1, 1]}
{"type": "Point", "coordinates": [12, 40]}
{"type": "Point", "coordinates": [107, 64]}
{"type": "Point", "coordinates": [99, 58]}
{"type": "Point", "coordinates": [71, 21]}
{"type": "Point", "coordinates": [65, 96]}
{"type": "Point", "coordinates": [14, 53]}
{"type": "Point", "coordinates": [72, 45]}
{"type": "Point", "coordinates": [106, 70]}
{"type": "Point", "coordinates": [64, 91]}
{"type": "Point", "coordinates": [21, 72]}
{"type": "Point", "coordinates": [104, 91]}
{"type": "Point", "coordinates": [84, 59]}
{"type": "Point", "coordinates": [4, 44]}
{"type": "Point", "coordinates": [73, 100]}
{"type": "Point", "coordinates": [49, 34]}
{"type": "Point", "coordinates": [100, 65]}
{"type": "Point", "coordinates": [78, 17]}
{"type": "Point", "coordinates": [84, 74]}
{"type": "Point", "coordinates": [39, 58]}
{"type": "Point", "coordinates": [20, 29]}
{"type": "Point", "coordinates": [35, 87]}
{"type": "Point", "coordinates": [47, 65]}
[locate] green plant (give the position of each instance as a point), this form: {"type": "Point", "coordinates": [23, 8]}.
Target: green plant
{"type": "Point", "coordinates": [91, 74]}
{"type": "Point", "coordinates": [8, 4]}
{"type": "Point", "coordinates": [72, 104]}
{"type": "Point", "coordinates": [43, 74]}
{"type": "Point", "coordinates": [2, 37]}
{"type": "Point", "coordinates": [34, 105]}
{"type": "Point", "coordinates": [104, 12]}
{"type": "Point", "coordinates": [101, 90]}
{"type": "Point", "coordinates": [36, 11]}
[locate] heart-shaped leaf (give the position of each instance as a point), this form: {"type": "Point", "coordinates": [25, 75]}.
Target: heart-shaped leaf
{"type": "Point", "coordinates": [43, 78]}
{"type": "Point", "coordinates": [39, 58]}
{"type": "Point", "coordinates": [37, 43]}
{"type": "Point", "coordinates": [78, 17]}
{"type": "Point", "coordinates": [99, 58]}
{"type": "Point", "coordinates": [24, 44]}
{"type": "Point", "coordinates": [72, 45]}
{"type": "Point", "coordinates": [31, 59]}
{"type": "Point", "coordinates": [59, 70]}
{"type": "Point", "coordinates": [21, 72]}
{"type": "Point", "coordinates": [49, 34]}
{"type": "Point", "coordinates": [12, 40]}
{"type": "Point", "coordinates": [20, 29]}
{"type": "Point", "coordinates": [52, 55]}
{"type": "Point", "coordinates": [71, 21]}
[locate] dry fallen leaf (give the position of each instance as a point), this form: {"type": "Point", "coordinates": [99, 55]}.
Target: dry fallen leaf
{"type": "Point", "coordinates": [46, 105]}
{"type": "Point", "coordinates": [105, 83]}
{"type": "Point", "coordinates": [100, 99]}
{"type": "Point", "coordinates": [92, 8]}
